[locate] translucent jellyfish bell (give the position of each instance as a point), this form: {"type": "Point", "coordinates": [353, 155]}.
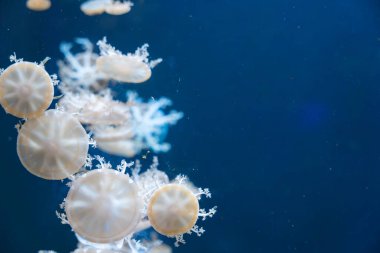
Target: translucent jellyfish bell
{"type": "Point", "coordinates": [116, 140]}
{"type": "Point", "coordinates": [94, 7]}
{"type": "Point", "coordinates": [94, 250]}
{"type": "Point", "coordinates": [98, 109]}
{"type": "Point", "coordinates": [130, 68]}
{"type": "Point", "coordinates": [38, 5]}
{"type": "Point", "coordinates": [103, 206]}
{"type": "Point", "coordinates": [26, 89]}
{"type": "Point", "coordinates": [173, 210]}
{"type": "Point", "coordinates": [118, 8]}
{"type": "Point", "coordinates": [52, 146]}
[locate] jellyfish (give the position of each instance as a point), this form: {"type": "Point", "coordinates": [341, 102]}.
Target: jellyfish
{"type": "Point", "coordinates": [94, 250]}
{"type": "Point", "coordinates": [103, 206]}
{"type": "Point", "coordinates": [97, 109]}
{"type": "Point", "coordinates": [26, 89]}
{"type": "Point", "coordinates": [106, 207]}
{"type": "Point", "coordinates": [130, 68]}
{"type": "Point", "coordinates": [53, 146]}
{"type": "Point", "coordinates": [116, 140]}
{"type": "Point", "coordinates": [94, 7]}
{"type": "Point", "coordinates": [79, 71]}
{"type": "Point", "coordinates": [173, 209]}
{"type": "Point", "coordinates": [145, 128]}
{"type": "Point", "coordinates": [118, 8]}
{"type": "Point", "coordinates": [150, 123]}
{"type": "Point", "coordinates": [38, 5]}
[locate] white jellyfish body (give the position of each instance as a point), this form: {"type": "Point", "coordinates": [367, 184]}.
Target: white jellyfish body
{"type": "Point", "coordinates": [103, 206]}
{"type": "Point", "coordinates": [98, 109]}
{"type": "Point", "coordinates": [118, 7]}
{"type": "Point", "coordinates": [130, 68]}
{"type": "Point", "coordinates": [26, 89]}
{"type": "Point", "coordinates": [116, 140]}
{"type": "Point", "coordinates": [94, 250]}
{"type": "Point", "coordinates": [94, 7]}
{"type": "Point", "coordinates": [112, 7]}
{"type": "Point", "coordinates": [150, 122]}
{"type": "Point", "coordinates": [52, 146]}
{"type": "Point", "coordinates": [123, 68]}
{"type": "Point", "coordinates": [79, 70]}
{"type": "Point", "coordinates": [173, 210]}
{"type": "Point", "coordinates": [38, 5]}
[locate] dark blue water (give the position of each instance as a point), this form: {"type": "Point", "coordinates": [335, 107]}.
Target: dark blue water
{"type": "Point", "coordinates": [282, 118]}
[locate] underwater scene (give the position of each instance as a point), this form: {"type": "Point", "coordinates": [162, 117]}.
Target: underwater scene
{"type": "Point", "coordinates": [145, 126]}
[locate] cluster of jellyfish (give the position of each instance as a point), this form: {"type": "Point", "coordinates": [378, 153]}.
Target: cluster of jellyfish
{"type": "Point", "coordinates": [106, 206]}
{"type": "Point", "coordinates": [90, 7]}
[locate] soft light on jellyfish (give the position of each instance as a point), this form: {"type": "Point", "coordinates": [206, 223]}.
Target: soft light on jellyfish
{"type": "Point", "coordinates": [103, 206]}
{"type": "Point", "coordinates": [173, 210]}
{"type": "Point", "coordinates": [38, 5]}
{"type": "Point", "coordinates": [94, 250]}
{"type": "Point", "coordinates": [26, 89]}
{"type": "Point", "coordinates": [52, 146]}
{"type": "Point", "coordinates": [118, 8]}
{"type": "Point", "coordinates": [124, 148]}
{"type": "Point", "coordinates": [130, 68]}
{"type": "Point", "coordinates": [94, 7]}
{"type": "Point", "coordinates": [116, 140]}
{"type": "Point", "coordinates": [78, 71]}
{"type": "Point", "coordinates": [95, 109]}
{"type": "Point", "coordinates": [150, 122]}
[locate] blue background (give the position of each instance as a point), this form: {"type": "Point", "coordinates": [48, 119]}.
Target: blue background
{"type": "Point", "coordinates": [282, 118]}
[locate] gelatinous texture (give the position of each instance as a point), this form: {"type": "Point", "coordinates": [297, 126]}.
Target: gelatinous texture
{"type": "Point", "coordinates": [145, 128]}
{"type": "Point", "coordinates": [124, 148]}
{"type": "Point", "coordinates": [38, 5]}
{"type": "Point", "coordinates": [123, 68]}
{"type": "Point", "coordinates": [118, 8]}
{"type": "Point", "coordinates": [97, 7]}
{"type": "Point", "coordinates": [90, 108]}
{"type": "Point", "coordinates": [103, 206]}
{"type": "Point", "coordinates": [173, 210]}
{"type": "Point", "coordinates": [26, 89]}
{"type": "Point", "coordinates": [79, 70]}
{"type": "Point", "coordinates": [94, 7]}
{"type": "Point", "coordinates": [150, 123]}
{"type": "Point", "coordinates": [52, 146]}
{"type": "Point", "coordinates": [130, 68]}
{"type": "Point", "coordinates": [94, 250]}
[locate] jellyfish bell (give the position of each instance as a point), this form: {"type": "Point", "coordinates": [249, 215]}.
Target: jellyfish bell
{"type": "Point", "coordinates": [52, 146]}
{"type": "Point", "coordinates": [26, 89]}
{"type": "Point", "coordinates": [130, 68]}
{"type": "Point", "coordinates": [97, 109]}
{"type": "Point", "coordinates": [94, 7]}
{"type": "Point", "coordinates": [118, 8]}
{"type": "Point", "coordinates": [124, 148]}
{"type": "Point", "coordinates": [173, 210]}
{"type": "Point", "coordinates": [94, 250]}
{"type": "Point", "coordinates": [38, 5]}
{"type": "Point", "coordinates": [124, 68]}
{"type": "Point", "coordinates": [116, 140]}
{"type": "Point", "coordinates": [103, 206]}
